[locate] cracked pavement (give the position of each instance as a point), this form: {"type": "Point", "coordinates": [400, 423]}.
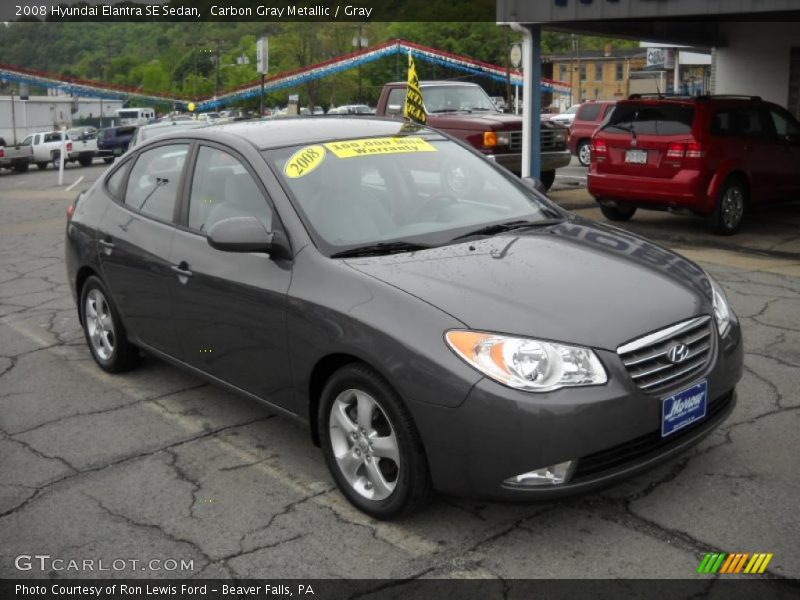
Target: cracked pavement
{"type": "Point", "coordinates": [156, 464]}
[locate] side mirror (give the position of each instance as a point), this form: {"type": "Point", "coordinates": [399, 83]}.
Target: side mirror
{"type": "Point", "coordinates": [535, 184]}
{"type": "Point", "coordinates": [394, 109]}
{"type": "Point", "coordinates": [247, 234]}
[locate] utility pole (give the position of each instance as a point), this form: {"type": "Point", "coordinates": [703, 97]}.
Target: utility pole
{"type": "Point", "coordinates": [506, 52]}
{"type": "Point", "coordinates": [577, 45]}
{"type": "Point", "coordinates": [194, 46]}
{"type": "Point", "coordinates": [359, 42]}
{"type": "Point", "coordinates": [218, 42]}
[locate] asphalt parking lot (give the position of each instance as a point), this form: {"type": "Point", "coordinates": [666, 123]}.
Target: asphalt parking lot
{"type": "Point", "coordinates": [156, 464]}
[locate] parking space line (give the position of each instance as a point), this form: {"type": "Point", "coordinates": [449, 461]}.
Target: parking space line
{"type": "Point", "coordinates": [74, 183]}
{"type": "Point", "coordinates": [411, 543]}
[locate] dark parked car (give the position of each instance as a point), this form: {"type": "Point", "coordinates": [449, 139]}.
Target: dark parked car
{"type": "Point", "coordinates": [711, 155]}
{"type": "Point", "coordinates": [587, 119]}
{"type": "Point", "coordinates": [433, 320]}
{"type": "Point", "coordinates": [114, 141]}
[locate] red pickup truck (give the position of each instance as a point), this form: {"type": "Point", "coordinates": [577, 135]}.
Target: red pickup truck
{"type": "Point", "coordinates": [465, 111]}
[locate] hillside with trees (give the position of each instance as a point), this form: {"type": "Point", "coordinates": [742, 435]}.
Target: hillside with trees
{"type": "Point", "coordinates": [179, 58]}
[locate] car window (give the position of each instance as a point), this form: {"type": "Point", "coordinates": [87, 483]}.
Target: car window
{"type": "Point", "coordinates": [381, 189]}
{"type": "Point", "coordinates": [588, 112]}
{"type": "Point", "coordinates": [27, 141]}
{"type": "Point", "coordinates": [651, 119]}
{"type": "Point", "coordinates": [153, 182]}
{"type": "Point", "coordinates": [114, 181]}
{"type": "Point", "coordinates": [784, 123]}
{"type": "Point", "coordinates": [223, 188]}
{"type": "Point", "coordinates": [737, 122]}
{"type": "Point", "coordinates": [396, 99]}
{"type": "Point", "coordinates": [54, 137]}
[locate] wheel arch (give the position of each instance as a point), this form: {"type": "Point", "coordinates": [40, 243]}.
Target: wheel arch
{"type": "Point", "coordinates": [720, 178]}
{"type": "Point", "coordinates": [80, 280]}
{"type": "Point", "coordinates": [322, 371]}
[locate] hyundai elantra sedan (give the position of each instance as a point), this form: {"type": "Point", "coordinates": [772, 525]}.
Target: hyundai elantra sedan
{"type": "Point", "coordinates": [435, 322]}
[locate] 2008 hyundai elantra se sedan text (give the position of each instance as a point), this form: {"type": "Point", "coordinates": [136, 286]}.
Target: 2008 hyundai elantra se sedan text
{"type": "Point", "coordinates": [435, 321]}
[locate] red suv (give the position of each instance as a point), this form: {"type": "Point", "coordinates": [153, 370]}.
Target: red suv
{"type": "Point", "coordinates": [588, 118]}
{"type": "Point", "coordinates": [710, 155]}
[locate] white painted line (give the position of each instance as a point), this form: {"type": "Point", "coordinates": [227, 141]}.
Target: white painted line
{"type": "Point", "coordinates": [578, 177]}
{"type": "Point", "coordinates": [76, 182]}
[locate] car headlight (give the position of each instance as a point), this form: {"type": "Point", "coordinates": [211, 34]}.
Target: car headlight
{"type": "Point", "coordinates": [527, 364]}
{"type": "Point", "coordinates": [722, 310]}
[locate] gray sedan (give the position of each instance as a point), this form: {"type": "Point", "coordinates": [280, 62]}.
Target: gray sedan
{"type": "Point", "coordinates": [434, 321]}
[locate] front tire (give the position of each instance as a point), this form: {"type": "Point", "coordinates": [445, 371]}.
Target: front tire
{"type": "Point", "coordinates": [41, 165]}
{"type": "Point", "coordinates": [548, 178]}
{"type": "Point", "coordinates": [103, 330]}
{"type": "Point", "coordinates": [584, 153]}
{"type": "Point", "coordinates": [109, 160]}
{"type": "Point", "coordinates": [371, 444]}
{"type": "Point", "coordinates": [618, 213]}
{"type": "Point", "coordinates": [729, 208]}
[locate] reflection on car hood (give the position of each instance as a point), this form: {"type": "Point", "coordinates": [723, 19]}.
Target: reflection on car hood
{"type": "Point", "coordinates": [574, 282]}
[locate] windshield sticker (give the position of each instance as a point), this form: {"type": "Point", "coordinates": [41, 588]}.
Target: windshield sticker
{"type": "Point", "coordinates": [304, 161]}
{"type": "Point", "coordinates": [373, 146]}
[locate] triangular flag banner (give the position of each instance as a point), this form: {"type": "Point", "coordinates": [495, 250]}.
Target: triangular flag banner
{"type": "Point", "coordinates": [413, 108]}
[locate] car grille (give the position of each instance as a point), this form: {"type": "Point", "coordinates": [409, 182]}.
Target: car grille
{"type": "Point", "coordinates": [515, 142]}
{"type": "Point", "coordinates": [646, 358]}
{"type": "Point", "coordinates": [637, 449]}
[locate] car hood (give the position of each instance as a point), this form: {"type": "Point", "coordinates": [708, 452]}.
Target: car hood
{"type": "Point", "coordinates": [575, 282]}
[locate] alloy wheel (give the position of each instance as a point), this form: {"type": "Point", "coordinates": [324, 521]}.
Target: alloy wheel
{"type": "Point", "coordinates": [364, 444]}
{"type": "Point", "coordinates": [584, 154]}
{"type": "Point", "coordinates": [99, 324]}
{"type": "Point", "coordinates": [732, 207]}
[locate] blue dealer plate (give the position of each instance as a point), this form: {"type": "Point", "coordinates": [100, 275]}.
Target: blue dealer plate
{"type": "Point", "coordinates": [684, 408]}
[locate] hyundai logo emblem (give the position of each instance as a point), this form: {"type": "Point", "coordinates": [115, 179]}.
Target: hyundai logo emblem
{"type": "Point", "coordinates": [678, 353]}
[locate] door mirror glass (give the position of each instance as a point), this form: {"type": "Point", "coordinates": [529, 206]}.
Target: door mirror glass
{"type": "Point", "coordinates": [247, 234]}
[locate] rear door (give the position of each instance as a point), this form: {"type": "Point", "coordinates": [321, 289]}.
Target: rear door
{"type": "Point", "coordinates": [230, 307]}
{"type": "Point", "coordinates": [134, 243]}
{"type": "Point", "coordinates": [787, 142]}
{"type": "Point", "coordinates": [638, 136]}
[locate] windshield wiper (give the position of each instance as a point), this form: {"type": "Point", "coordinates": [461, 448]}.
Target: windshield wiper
{"type": "Point", "coordinates": [446, 110]}
{"type": "Point", "coordinates": [509, 226]}
{"type": "Point", "coordinates": [380, 248]}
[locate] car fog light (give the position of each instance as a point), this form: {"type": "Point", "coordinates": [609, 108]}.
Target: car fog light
{"type": "Point", "coordinates": [551, 475]}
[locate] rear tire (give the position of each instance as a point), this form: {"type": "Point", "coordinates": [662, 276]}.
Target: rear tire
{"type": "Point", "coordinates": [548, 178]}
{"type": "Point", "coordinates": [371, 444]}
{"type": "Point", "coordinates": [584, 153]}
{"type": "Point", "coordinates": [21, 167]}
{"type": "Point", "coordinates": [85, 161]}
{"type": "Point", "coordinates": [103, 330]}
{"type": "Point", "coordinates": [618, 213]}
{"type": "Point", "coordinates": [108, 161]}
{"type": "Point", "coordinates": [729, 208]}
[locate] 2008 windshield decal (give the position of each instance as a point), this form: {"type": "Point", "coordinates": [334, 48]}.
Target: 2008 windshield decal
{"type": "Point", "coordinates": [304, 161]}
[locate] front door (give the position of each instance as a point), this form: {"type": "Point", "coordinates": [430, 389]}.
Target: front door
{"type": "Point", "coordinates": [136, 236]}
{"type": "Point", "coordinates": [230, 308]}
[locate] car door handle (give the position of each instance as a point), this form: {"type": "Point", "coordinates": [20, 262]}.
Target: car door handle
{"type": "Point", "coordinates": [107, 245]}
{"type": "Point", "coordinates": [182, 270]}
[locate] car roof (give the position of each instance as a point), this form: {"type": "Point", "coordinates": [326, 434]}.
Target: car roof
{"type": "Point", "coordinates": [429, 82]}
{"type": "Point", "coordinates": [301, 130]}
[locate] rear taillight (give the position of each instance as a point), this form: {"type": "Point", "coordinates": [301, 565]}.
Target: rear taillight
{"type": "Point", "coordinates": [69, 146]}
{"type": "Point", "coordinates": [599, 146]}
{"type": "Point", "coordinates": [70, 210]}
{"type": "Point", "coordinates": [684, 149]}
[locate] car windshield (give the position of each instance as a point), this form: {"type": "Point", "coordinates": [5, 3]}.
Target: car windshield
{"type": "Point", "coordinates": [651, 119]}
{"type": "Point", "coordinates": [401, 189]}
{"type": "Point", "coordinates": [456, 98]}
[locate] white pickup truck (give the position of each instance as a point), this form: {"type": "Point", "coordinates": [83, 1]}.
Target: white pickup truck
{"type": "Point", "coordinates": [84, 143]}
{"type": "Point", "coordinates": [15, 157]}
{"type": "Point", "coordinates": [47, 148]}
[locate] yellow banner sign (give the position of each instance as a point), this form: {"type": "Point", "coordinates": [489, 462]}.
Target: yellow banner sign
{"type": "Point", "coordinates": [373, 146]}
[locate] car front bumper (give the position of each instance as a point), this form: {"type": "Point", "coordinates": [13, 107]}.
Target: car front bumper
{"type": "Point", "coordinates": [611, 431]}
{"type": "Point", "coordinates": [550, 160]}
